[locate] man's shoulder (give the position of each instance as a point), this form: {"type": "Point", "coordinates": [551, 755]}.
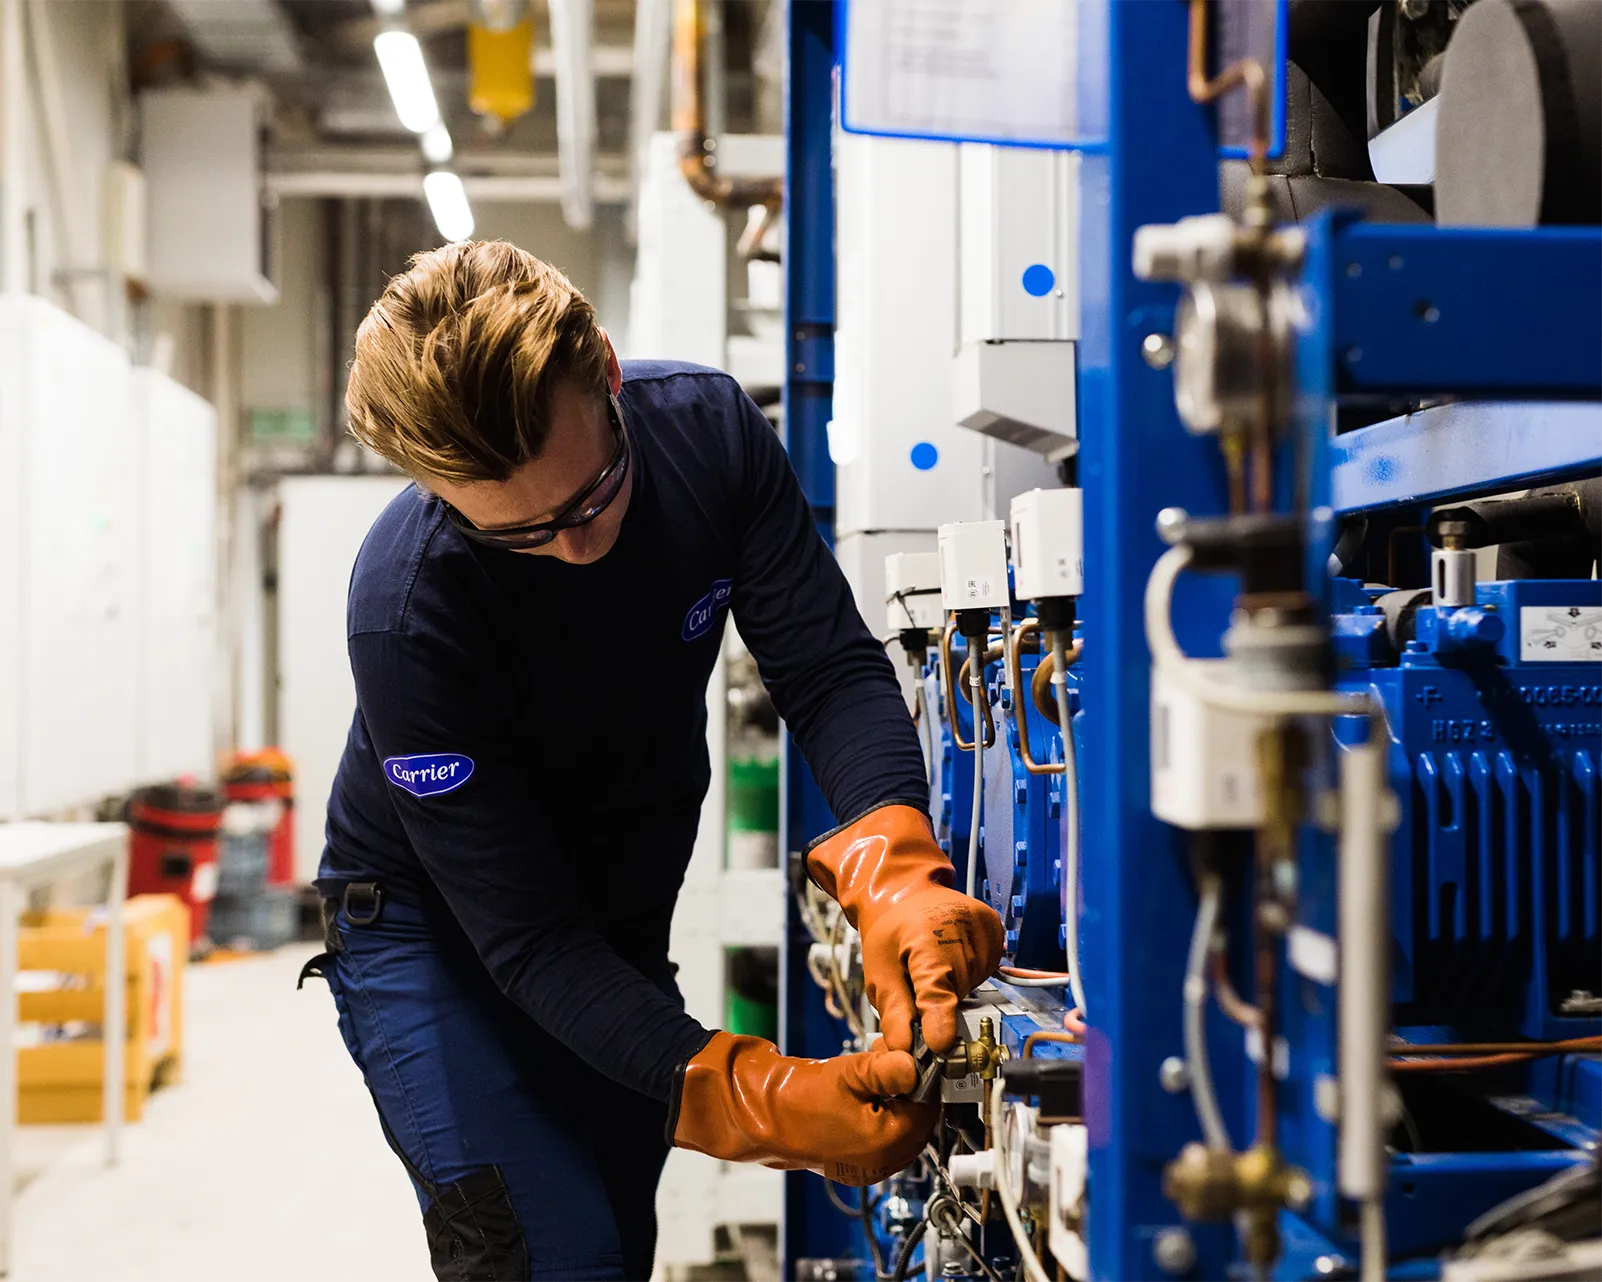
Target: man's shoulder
{"type": "Point", "coordinates": [397, 558]}
{"type": "Point", "coordinates": [668, 382]}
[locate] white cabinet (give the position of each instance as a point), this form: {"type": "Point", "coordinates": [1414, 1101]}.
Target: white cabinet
{"type": "Point", "coordinates": [69, 589]}
{"type": "Point", "coordinates": [177, 489]}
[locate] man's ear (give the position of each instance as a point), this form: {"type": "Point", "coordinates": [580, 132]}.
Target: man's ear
{"type": "Point", "coordinates": [614, 368]}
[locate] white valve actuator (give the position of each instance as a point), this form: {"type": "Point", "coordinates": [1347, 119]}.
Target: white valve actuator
{"type": "Point", "coordinates": [1048, 544]}
{"type": "Point", "coordinates": [912, 590]}
{"type": "Point", "coordinates": [973, 565]}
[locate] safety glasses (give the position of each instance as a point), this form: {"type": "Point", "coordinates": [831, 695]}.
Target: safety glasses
{"type": "Point", "coordinates": [596, 497]}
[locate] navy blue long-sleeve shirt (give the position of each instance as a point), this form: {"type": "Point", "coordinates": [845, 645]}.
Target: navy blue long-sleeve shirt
{"type": "Point", "coordinates": [529, 739]}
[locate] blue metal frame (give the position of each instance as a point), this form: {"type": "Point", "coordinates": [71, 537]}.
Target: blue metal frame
{"type": "Point", "coordinates": [1090, 136]}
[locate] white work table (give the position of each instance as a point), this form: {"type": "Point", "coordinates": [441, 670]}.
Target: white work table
{"type": "Point", "coordinates": [34, 855]}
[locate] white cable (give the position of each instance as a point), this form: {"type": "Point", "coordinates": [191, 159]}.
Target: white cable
{"type": "Point", "coordinates": [931, 727]}
{"type": "Point", "coordinates": [976, 679]}
{"type": "Point", "coordinates": [1372, 1231]}
{"type": "Point", "coordinates": [1035, 1270]}
{"type": "Point", "coordinates": [1070, 812]}
{"type": "Point", "coordinates": [1166, 654]}
{"type": "Point", "coordinates": [1196, 1065]}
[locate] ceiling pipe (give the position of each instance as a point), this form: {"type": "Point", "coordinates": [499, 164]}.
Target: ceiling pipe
{"type": "Point", "coordinates": [571, 36]}
{"type": "Point", "coordinates": [653, 46]}
{"type": "Point", "coordinates": [696, 159]}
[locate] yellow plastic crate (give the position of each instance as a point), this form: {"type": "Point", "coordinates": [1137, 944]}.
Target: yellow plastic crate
{"type": "Point", "coordinates": [63, 1081]}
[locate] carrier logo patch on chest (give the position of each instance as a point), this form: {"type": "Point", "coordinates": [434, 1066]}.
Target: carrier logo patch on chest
{"type": "Point", "coordinates": [430, 773]}
{"type": "Point", "coordinates": [698, 622]}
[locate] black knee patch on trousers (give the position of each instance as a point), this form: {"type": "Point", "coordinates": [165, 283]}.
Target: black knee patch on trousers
{"type": "Point", "coordinates": [473, 1232]}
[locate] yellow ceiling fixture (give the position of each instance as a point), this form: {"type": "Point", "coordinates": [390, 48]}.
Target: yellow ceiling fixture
{"type": "Point", "coordinates": [500, 59]}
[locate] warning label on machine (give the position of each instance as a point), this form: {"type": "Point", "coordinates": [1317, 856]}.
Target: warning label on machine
{"type": "Point", "coordinates": [1559, 634]}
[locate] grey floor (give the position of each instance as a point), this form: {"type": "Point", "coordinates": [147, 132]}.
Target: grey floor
{"type": "Point", "coordinates": [265, 1164]}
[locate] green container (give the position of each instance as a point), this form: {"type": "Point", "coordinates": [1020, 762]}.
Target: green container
{"type": "Point", "coordinates": [753, 813]}
{"type": "Point", "coordinates": [751, 998]}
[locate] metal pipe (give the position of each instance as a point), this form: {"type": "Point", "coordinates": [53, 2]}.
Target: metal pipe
{"type": "Point", "coordinates": [1026, 629]}
{"type": "Point", "coordinates": [1364, 995]}
{"type": "Point", "coordinates": [950, 684]}
{"type": "Point", "coordinates": [572, 22]}
{"type": "Point", "coordinates": [689, 122]}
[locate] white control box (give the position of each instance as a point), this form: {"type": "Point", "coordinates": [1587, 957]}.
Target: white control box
{"type": "Point", "coordinates": [1203, 759]}
{"type": "Point", "coordinates": [973, 565]}
{"type": "Point", "coordinates": [1070, 1169]}
{"type": "Point", "coordinates": [1048, 544]}
{"type": "Point", "coordinates": [912, 590]}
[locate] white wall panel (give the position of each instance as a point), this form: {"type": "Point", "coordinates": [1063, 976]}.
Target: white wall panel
{"type": "Point", "coordinates": [79, 571]}
{"type": "Point", "coordinates": [11, 489]}
{"type": "Point", "coordinates": [324, 520]}
{"type": "Point", "coordinates": [177, 606]}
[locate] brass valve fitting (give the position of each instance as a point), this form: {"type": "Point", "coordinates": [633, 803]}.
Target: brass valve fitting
{"type": "Point", "coordinates": [983, 1055]}
{"type": "Point", "coordinates": [1211, 1184]}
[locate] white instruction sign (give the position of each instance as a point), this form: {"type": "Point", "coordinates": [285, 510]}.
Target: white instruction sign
{"type": "Point", "coordinates": [975, 70]}
{"type": "Point", "coordinates": [1560, 634]}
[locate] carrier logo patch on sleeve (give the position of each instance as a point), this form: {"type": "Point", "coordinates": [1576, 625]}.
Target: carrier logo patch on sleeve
{"type": "Point", "coordinates": [430, 773]}
{"type": "Point", "coordinates": [698, 622]}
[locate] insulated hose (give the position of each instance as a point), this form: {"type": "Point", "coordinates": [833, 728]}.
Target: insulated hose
{"type": "Point", "coordinates": [1070, 811]}
{"type": "Point", "coordinates": [976, 685]}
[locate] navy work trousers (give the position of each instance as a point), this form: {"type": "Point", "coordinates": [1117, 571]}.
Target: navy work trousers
{"type": "Point", "coordinates": [527, 1163]}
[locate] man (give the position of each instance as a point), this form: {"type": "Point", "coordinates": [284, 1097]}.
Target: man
{"type": "Point", "coordinates": [531, 629]}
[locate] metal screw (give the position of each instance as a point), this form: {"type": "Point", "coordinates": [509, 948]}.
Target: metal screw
{"type": "Point", "coordinates": [1174, 1251]}
{"type": "Point", "coordinates": [1413, 10]}
{"type": "Point", "coordinates": [1173, 1076]}
{"type": "Point", "coordinates": [1158, 350]}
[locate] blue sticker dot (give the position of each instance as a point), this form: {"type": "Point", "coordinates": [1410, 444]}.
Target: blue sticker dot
{"type": "Point", "coordinates": [924, 456]}
{"type": "Point", "coordinates": [1039, 280]}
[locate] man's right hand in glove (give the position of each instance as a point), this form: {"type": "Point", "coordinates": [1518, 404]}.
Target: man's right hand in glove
{"type": "Point", "coordinates": [742, 1101]}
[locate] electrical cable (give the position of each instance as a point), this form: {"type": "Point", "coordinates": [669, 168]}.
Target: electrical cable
{"type": "Point", "coordinates": [908, 1247]}
{"type": "Point", "coordinates": [1195, 994]}
{"type": "Point", "coordinates": [865, 1214]}
{"type": "Point", "coordinates": [1371, 1238]}
{"type": "Point", "coordinates": [1167, 655]}
{"type": "Point", "coordinates": [976, 681]}
{"type": "Point", "coordinates": [1070, 818]}
{"type": "Point", "coordinates": [1033, 1268]}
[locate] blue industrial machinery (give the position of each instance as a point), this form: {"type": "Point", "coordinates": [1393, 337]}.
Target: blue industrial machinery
{"type": "Point", "coordinates": [1419, 744]}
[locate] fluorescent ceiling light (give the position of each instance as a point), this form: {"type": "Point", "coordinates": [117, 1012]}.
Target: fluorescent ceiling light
{"type": "Point", "coordinates": [437, 144]}
{"type": "Point", "coordinates": [401, 58]}
{"type": "Point", "coordinates": [447, 201]}
{"type": "Point", "coordinates": [389, 8]}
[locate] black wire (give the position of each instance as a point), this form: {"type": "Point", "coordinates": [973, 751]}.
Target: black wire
{"type": "Point", "coordinates": [865, 1214]}
{"type": "Point", "coordinates": [904, 1263]}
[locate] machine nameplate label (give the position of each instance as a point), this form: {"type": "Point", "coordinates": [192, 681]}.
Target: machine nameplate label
{"type": "Point", "coordinates": [1559, 634]}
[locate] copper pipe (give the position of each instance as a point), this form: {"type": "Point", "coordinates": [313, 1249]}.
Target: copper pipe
{"type": "Point", "coordinates": [1457, 1065]}
{"type": "Point", "coordinates": [1046, 1035]}
{"type": "Point", "coordinates": [1246, 72]}
{"type": "Point", "coordinates": [695, 161]}
{"type": "Point", "coordinates": [1040, 686]}
{"type": "Point", "coordinates": [951, 696]}
{"type": "Point", "coordinates": [998, 650]}
{"type": "Point", "coordinates": [1499, 1048]}
{"type": "Point", "coordinates": [1231, 1002]}
{"type": "Point", "coordinates": [1028, 628]}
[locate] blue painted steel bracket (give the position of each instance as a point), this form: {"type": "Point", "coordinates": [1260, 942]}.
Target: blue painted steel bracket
{"type": "Point", "coordinates": [1420, 309]}
{"type": "Point", "coordinates": [1455, 451]}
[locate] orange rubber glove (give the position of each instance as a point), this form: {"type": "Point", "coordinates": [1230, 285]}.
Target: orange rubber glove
{"type": "Point", "coordinates": [895, 885]}
{"type": "Point", "coordinates": [742, 1101]}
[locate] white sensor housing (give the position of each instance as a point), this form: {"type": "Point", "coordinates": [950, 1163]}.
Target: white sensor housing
{"type": "Point", "coordinates": [912, 590]}
{"type": "Point", "coordinates": [1048, 544]}
{"type": "Point", "coordinates": [973, 565]}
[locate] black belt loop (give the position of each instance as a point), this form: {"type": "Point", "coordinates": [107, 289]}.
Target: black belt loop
{"type": "Point", "coordinates": [362, 902]}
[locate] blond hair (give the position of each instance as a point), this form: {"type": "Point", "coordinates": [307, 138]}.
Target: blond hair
{"type": "Point", "coordinates": [456, 360]}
